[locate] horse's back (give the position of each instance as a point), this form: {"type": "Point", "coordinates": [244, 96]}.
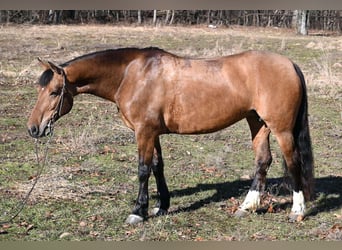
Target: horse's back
{"type": "Point", "coordinates": [207, 95]}
{"type": "Point", "coordinates": [184, 95]}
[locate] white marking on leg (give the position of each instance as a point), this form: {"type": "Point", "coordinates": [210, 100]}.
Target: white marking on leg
{"type": "Point", "coordinates": [252, 201]}
{"type": "Point", "coordinates": [134, 219]}
{"type": "Point", "coordinates": [155, 210]}
{"type": "Point", "coordinates": [298, 206]}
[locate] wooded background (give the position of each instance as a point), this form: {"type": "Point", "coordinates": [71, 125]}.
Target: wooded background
{"type": "Point", "coordinates": [302, 20]}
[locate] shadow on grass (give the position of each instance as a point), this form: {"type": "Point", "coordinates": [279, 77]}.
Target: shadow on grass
{"type": "Point", "coordinates": [327, 189]}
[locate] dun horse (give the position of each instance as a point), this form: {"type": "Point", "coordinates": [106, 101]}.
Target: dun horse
{"type": "Point", "coordinates": [159, 93]}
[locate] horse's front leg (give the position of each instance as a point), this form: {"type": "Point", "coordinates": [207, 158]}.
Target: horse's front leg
{"type": "Point", "coordinates": [140, 210]}
{"type": "Point", "coordinates": [163, 203]}
{"type": "Point", "coordinates": [145, 149]}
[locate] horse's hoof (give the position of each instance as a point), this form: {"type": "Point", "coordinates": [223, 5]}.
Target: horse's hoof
{"type": "Point", "coordinates": [155, 211]}
{"type": "Point", "coordinates": [158, 211]}
{"type": "Point", "coordinates": [241, 213]}
{"type": "Point", "coordinates": [296, 217]}
{"type": "Point", "coordinates": [134, 219]}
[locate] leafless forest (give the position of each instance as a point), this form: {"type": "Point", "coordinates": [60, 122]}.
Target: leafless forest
{"type": "Point", "coordinates": [302, 20]}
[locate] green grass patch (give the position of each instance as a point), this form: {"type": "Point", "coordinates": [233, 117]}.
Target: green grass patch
{"type": "Point", "coordinates": [90, 183]}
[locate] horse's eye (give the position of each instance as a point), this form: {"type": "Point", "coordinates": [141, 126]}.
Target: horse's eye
{"type": "Point", "coordinates": [54, 93]}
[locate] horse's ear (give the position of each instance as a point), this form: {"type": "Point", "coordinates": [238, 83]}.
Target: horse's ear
{"type": "Point", "coordinates": [44, 64]}
{"type": "Point", "coordinates": [56, 69]}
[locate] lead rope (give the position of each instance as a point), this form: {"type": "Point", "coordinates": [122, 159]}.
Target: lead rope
{"type": "Point", "coordinates": [41, 164]}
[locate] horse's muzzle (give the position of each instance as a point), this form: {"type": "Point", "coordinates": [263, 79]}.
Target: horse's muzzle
{"type": "Point", "coordinates": [34, 131]}
{"type": "Point", "coordinates": [37, 132]}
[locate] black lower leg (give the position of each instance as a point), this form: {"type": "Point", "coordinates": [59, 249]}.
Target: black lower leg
{"type": "Point", "coordinates": [163, 192]}
{"type": "Point", "coordinates": [259, 181]}
{"type": "Point", "coordinates": [141, 206]}
{"type": "Point", "coordinates": [296, 178]}
{"type": "Point", "coordinates": [261, 146]}
{"type": "Point", "coordinates": [163, 203]}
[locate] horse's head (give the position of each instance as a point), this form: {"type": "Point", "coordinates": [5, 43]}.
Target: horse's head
{"type": "Point", "coordinates": [55, 99]}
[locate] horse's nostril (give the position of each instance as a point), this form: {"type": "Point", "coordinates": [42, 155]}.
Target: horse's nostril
{"type": "Point", "coordinates": [34, 131]}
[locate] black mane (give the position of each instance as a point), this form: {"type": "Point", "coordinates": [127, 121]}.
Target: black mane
{"type": "Point", "coordinates": [45, 78]}
{"type": "Point", "coordinates": [111, 50]}
{"type": "Point", "coordinates": [47, 75]}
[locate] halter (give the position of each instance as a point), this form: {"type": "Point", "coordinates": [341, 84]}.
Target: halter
{"type": "Point", "coordinates": [58, 110]}
{"type": "Point", "coordinates": [61, 98]}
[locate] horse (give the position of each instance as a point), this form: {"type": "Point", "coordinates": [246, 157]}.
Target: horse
{"type": "Point", "coordinates": [157, 92]}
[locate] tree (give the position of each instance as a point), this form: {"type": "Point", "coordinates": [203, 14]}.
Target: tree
{"type": "Point", "coordinates": [302, 22]}
{"type": "Point", "coordinates": [154, 17]}
{"type": "Point", "coordinates": [139, 16]}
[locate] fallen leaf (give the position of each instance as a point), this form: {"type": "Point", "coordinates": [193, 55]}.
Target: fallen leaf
{"type": "Point", "coordinates": [107, 150]}
{"type": "Point", "coordinates": [29, 227]}
{"type": "Point", "coordinates": [96, 218]}
{"type": "Point", "coordinates": [48, 215]}
{"type": "Point", "coordinates": [83, 223]}
{"type": "Point", "coordinates": [94, 233]}
{"type": "Point", "coordinates": [63, 235]}
{"type": "Point", "coordinates": [245, 177]}
{"type": "Point", "coordinates": [270, 209]}
{"type": "Point", "coordinates": [229, 238]}
{"type": "Point", "coordinates": [337, 226]}
{"type": "Point", "coordinates": [23, 224]}
{"type": "Point", "coordinates": [300, 218]}
{"type": "Point", "coordinates": [283, 201]}
{"type": "Point", "coordinates": [3, 232]}
{"type": "Point", "coordinates": [338, 216]}
{"type": "Point", "coordinates": [5, 226]}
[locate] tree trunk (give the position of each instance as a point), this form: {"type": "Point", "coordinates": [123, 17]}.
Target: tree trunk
{"type": "Point", "coordinates": [167, 16]}
{"type": "Point", "coordinates": [339, 21]}
{"type": "Point", "coordinates": [154, 17]}
{"type": "Point", "coordinates": [208, 17]}
{"type": "Point", "coordinates": [294, 21]}
{"type": "Point", "coordinates": [172, 17]}
{"type": "Point", "coordinates": [302, 28]}
{"type": "Point", "coordinates": [139, 16]}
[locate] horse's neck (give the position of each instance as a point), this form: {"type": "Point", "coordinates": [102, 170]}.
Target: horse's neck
{"type": "Point", "coordinates": [95, 78]}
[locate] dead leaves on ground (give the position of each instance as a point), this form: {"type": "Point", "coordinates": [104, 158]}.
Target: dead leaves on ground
{"type": "Point", "coordinates": [4, 229]}
{"type": "Point", "coordinates": [269, 204]}
{"type": "Point", "coordinates": [328, 233]}
{"type": "Point", "coordinates": [24, 226]}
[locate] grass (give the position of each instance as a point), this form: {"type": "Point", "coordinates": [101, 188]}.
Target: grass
{"type": "Point", "coordinates": [90, 182]}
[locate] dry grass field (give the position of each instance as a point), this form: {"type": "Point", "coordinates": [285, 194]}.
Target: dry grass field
{"type": "Point", "coordinates": [90, 180]}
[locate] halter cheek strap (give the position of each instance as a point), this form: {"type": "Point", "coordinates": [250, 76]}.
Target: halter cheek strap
{"type": "Point", "coordinates": [61, 97]}
{"type": "Point", "coordinates": [58, 110]}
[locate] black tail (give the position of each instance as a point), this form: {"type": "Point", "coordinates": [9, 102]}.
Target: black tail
{"type": "Point", "coordinates": [303, 141]}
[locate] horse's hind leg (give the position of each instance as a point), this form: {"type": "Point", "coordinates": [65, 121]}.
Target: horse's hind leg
{"type": "Point", "coordinates": [263, 159]}
{"type": "Point", "coordinates": [163, 203]}
{"type": "Point", "coordinates": [292, 161]}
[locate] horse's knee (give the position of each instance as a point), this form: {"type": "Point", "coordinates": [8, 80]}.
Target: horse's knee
{"type": "Point", "coordinates": [262, 163]}
{"type": "Point", "coordinates": [144, 172]}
